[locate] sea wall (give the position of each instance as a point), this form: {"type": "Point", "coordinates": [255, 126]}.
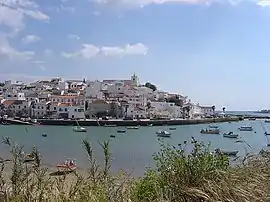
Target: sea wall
{"type": "Point", "coordinates": [135, 123]}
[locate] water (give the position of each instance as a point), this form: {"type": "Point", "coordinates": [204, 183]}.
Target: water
{"type": "Point", "coordinates": [130, 151]}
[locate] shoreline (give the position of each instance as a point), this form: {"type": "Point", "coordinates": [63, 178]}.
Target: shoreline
{"type": "Point", "coordinates": [121, 122]}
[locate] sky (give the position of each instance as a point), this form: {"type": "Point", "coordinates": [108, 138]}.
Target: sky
{"type": "Point", "coordinates": [216, 52]}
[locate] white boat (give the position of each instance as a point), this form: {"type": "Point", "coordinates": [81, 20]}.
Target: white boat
{"type": "Point", "coordinates": [230, 135]}
{"type": "Point", "coordinates": [246, 128]}
{"type": "Point", "coordinates": [210, 131]}
{"type": "Point", "coordinates": [213, 126]}
{"type": "Point", "coordinates": [133, 127]}
{"type": "Point", "coordinates": [163, 133]}
{"type": "Point", "coordinates": [79, 129]}
{"type": "Point", "coordinates": [227, 152]}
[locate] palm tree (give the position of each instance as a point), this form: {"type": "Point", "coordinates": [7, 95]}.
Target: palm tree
{"type": "Point", "coordinates": [213, 108]}
{"type": "Point", "coordinates": [223, 109]}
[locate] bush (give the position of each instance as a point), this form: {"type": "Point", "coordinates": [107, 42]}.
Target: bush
{"type": "Point", "coordinates": [178, 176]}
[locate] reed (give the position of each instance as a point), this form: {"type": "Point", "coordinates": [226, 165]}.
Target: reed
{"type": "Point", "coordinates": [178, 176]}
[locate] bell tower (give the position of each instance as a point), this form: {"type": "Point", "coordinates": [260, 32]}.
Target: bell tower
{"type": "Point", "coordinates": [135, 80]}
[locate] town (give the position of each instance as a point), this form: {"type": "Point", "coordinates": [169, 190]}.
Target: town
{"type": "Point", "coordinates": [108, 99]}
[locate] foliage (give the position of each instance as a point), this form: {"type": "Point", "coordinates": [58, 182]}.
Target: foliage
{"type": "Point", "coordinates": [176, 100]}
{"type": "Point", "coordinates": [151, 86]}
{"type": "Point", "coordinates": [179, 176]}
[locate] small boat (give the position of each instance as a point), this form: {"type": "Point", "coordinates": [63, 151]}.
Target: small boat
{"type": "Point", "coordinates": [213, 126]}
{"type": "Point", "coordinates": [79, 129]}
{"type": "Point", "coordinates": [230, 135]}
{"type": "Point", "coordinates": [163, 133]}
{"type": "Point", "coordinates": [210, 131]}
{"type": "Point", "coordinates": [150, 125]}
{"type": "Point", "coordinates": [112, 136]}
{"type": "Point", "coordinates": [172, 128]}
{"type": "Point", "coordinates": [246, 128]}
{"type": "Point", "coordinates": [267, 121]}
{"type": "Point", "coordinates": [266, 133]}
{"type": "Point", "coordinates": [252, 119]}
{"type": "Point", "coordinates": [5, 123]}
{"type": "Point", "coordinates": [121, 131]}
{"type": "Point", "coordinates": [133, 127]}
{"type": "Point", "coordinates": [68, 164]}
{"type": "Point", "coordinates": [110, 125]}
{"type": "Point", "coordinates": [44, 135]}
{"type": "Point", "coordinates": [228, 152]}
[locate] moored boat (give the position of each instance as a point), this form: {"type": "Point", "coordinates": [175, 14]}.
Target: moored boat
{"type": "Point", "coordinates": [267, 121]}
{"type": "Point", "coordinates": [246, 128]}
{"type": "Point", "coordinates": [227, 152]}
{"type": "Point", "coordinates": [133, 127]}
{"type": "Point", "coordinates": [172, 128]}
{"type": "Point", "coordinates": [252, 119]}
{"type": "Point", "coordinates": [79, 129]}
{"type": "Point", "coordinates": [121, 131]}
{"type": "Point", "coordinates": [230, 135]}
{"type": "Point", "coordinates": [213, 126]}
{"type": "Point", "coordinates": [210, 131]}
{"type": "Point", "coordinates": [163, 133]}
{"type": "Point", "coordinates": [68, 164]}
{"type": "Point", "coordinates": [110, 125]}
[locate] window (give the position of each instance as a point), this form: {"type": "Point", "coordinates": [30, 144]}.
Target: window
{"type": "Point", "coordinates": [19, 107]}
{"type": "Point", "coordinates": [42, 107]}
{"type": "Point", "coordinates": [65, 109]}
{"type": "Point", "coordinates": [38, 107]}
{"type": "Point", "coordinates": [54, 108]}
{"type": "Point", "coordinates": [75, 110]}
{"type": "Point", "coordinates": [38, 113]}
{"type": "Point", "coordinates": [24, 107]}
{"type": "Point", "coordinates": [60, 109]}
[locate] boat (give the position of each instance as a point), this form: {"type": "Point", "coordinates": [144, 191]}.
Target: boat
{"type": "Point", "coordinates": [133, 127]}
{"type": "Point", "coordinates": [5, 123]}
{"type": "Point", "coordinates": [172, 128]}
{"type": "Point", "coordinates": [163, 133]}
{"type": "Point", "coordinates": [121, 131]}
{"type": "Point", "coordinates": [150, 125]}
{"type": "Point", "coordinates": [230, 135]}
{"type": "Point", "coordinates": [227, 152]}
{"type": "Point", "coordinates": [246, 128]}
{"type": "Point", "coordinates": [44, 135]}
{"type": "Point", "coordinates": [213, 126]}
{"type": "Point", "coordinates": [252, 119]}
{"type": "Point", "coordinates": [110, 125]}
{"type": "Point", "coordinates": [78, 128]}
{"type": "Point", "coordinates": [266, 133]}
{"type": "Point", "coordinates": [210, 131]}
{"type": "Point", "coordinates": [112, 136]}
{"type": "Point", "coordinates": [267, 121]}
{"type": "Point", "coordinates": [68, 164]}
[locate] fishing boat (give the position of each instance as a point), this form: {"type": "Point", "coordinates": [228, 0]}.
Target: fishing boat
{"type": "Point", "coordinates": [163, 133]}
{"type": "Point", "coordinates": [133, 127]}
{"type": "Point", "coordinates": [109, 125]}
{"type": "Point", "coordinates": [68, 164]}
{"type": "Point", "coordinates": [210, 131]}
{"type": "Point", "coordinates": [230, 135]}
{"type": "Point", "coordinates": [246, 128]}
{"type": "Point", "coordinates": [227, 152]}
{"type": "Point", "coordinates": [213, 126]}
{"type": "Point", "coordinates": [121, 131]}
{"type": "Point", "coordinates": [78, 128]}
{"type": "Point", "coordinates": [172, 128]}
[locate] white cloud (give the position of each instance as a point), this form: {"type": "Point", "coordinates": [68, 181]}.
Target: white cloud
{"type": "Point", "coordinates": [42, 68]}
{"type": "Point", "coordinates": [38, 62]}
{"type": "Point", "coordinates": [263, 3]}
{"type": "Point", "coordinates": [73, 36]}
{"type": "Point", "coordinates": [30, 39]}
{"type": "Point", "coordinates": [48, 51]}
{"type": "Point", "coordinates": [89, 51]}
{"type": "Point", "coordinates": [13, 12]}
{"type": "Point", "coordinates": [8, 51]}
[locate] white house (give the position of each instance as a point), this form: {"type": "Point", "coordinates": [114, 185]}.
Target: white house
{"type": "Point", "coordinates": [171, 108]}
{"type": "Point", "coordinates": [79, 100]}
{"type": "Point", "coordinates": [207, 110]}
{"type": "Point", "coordinates": [40, 109]}
{"type": "Point", "coordinates": [14, 96]}
{"type": "Point", "coordinates": [93, 90]}
{"type": "Point", "coordinates": [67, 110]}
{"type": "Point", "coordinates": [136, 112]}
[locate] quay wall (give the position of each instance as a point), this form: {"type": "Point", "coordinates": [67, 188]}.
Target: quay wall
{"type": "Point", "coordinates": [135, 123]}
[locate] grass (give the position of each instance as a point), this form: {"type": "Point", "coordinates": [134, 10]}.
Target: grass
{"type": "Point", "coordinates": [178, 176]}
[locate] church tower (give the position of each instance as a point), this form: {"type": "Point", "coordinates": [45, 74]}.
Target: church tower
{"type": "Point", "coordinates": [135, 80]}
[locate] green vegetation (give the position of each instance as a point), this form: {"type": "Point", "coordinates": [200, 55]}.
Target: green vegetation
{"type": "Point", "coordinates": [151, 86]}
{"type": "Point", "coordinates": [178, 176]}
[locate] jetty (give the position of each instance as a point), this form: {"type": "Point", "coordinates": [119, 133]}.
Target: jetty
{"type": "Point", "coordinates": [147, 122]}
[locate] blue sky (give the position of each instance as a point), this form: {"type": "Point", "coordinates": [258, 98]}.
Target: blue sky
{"type": "Point", "coordinates": [215, 51]}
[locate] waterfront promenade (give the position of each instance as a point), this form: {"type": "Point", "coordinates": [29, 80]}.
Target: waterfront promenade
{"type": "Point", "coordinates": [120, 122]}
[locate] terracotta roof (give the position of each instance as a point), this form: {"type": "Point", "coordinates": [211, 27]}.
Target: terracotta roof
{"type": "Point", "coordinates": [8, 102]}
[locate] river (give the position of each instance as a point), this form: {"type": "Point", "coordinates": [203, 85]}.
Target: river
{"type": "Point", "coordinates": [130, 151]}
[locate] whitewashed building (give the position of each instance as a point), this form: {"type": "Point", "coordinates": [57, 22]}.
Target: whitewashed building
{"type": "Point", "coordinates": [93, 89]}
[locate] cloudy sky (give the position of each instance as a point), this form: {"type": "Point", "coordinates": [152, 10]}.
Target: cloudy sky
{"type": "Point", "coordinates": [215, 51]}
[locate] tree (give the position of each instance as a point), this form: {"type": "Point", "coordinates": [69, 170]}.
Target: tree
{"type": "Point", "coordinates": [213, 108]}
{"type": "Point", "coordinates": [176, 100]}
{"type": "Point", "coordinates": [223, 109]}
{"type": "Point", "coordinates": [151, 86]}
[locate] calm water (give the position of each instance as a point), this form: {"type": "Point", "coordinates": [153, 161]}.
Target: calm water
{"type": "Point", "coordinates": [130, 151]}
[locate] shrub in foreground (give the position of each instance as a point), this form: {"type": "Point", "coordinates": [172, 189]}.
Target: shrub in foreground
{"type": "Point", "coordinates": [178, 176]}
